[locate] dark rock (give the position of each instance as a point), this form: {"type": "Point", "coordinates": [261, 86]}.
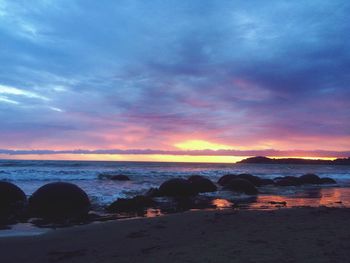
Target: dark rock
{"type": "Point", "coordinates": [327, 180]}
{"type": "Point", "coordinates": [255, 180]}
{"type": "Point", "coordinates": [202, 202]}
{"type": "Point", "coordinates": [201, 184]}
{"type": "Point", "coordinates": [136, 203]}
{"type": "Point", "coordinates": [310, 179]}
{"type": "Point", "coordinates": [195, 202]}
{"type": "Point", "coordinates": [12, 200]}
{"type": "Point", "coordinates": [177, 187]}
{"type": "Point", "coordinates": [287, 181]}
{"type": "Point", "coordinates": [153, 192]}
{"type": "Point", "coordinates": [183, 203]}
{"type": "Point", "coordinates": [117, 177]}
{"type": "Point", "coordinates": [175, 204]}
{"type": "Point", "coordinates": [58, 201]}
{"type": "Point", "coordinates": [266, 182]}
{"type": "Point", "coordinates": [278, 178]}
{"type": "Point", "coordinates": [225, 179]}
{"type": "Point", "coordinates": [195, 177]}
{"type": "Point", "coordinates": [120, 177]}
{"type": "Point", "coordinates": [251, 178]}
{"type": "Point", "coordinates": [242, 186]}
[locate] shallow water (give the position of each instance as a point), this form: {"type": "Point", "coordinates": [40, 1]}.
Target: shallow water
{"type": "Point", "coordinates": [23, 229]}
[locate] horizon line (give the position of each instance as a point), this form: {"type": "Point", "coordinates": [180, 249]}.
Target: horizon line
{"type": "Point", "coordinates": [206, 152]}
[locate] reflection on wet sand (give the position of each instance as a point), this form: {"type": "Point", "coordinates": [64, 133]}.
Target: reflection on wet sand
{"type": "Point", "coordinates": [311, 197]}
{"type": "Point", "coordinates": [330, 197]}
{"type": "Point", "coordinates": [222, 203]}
{"type": "Point", "coordinates": [153, 212]}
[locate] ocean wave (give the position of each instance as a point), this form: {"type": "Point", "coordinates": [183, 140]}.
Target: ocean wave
{"type": "Point", "coordinates": [34, 175]}
{"type": "Point", "coordinates": [30, 175]}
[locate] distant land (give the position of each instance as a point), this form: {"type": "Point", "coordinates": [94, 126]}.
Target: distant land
{"type": "Point", "coordinates": [266, 160]}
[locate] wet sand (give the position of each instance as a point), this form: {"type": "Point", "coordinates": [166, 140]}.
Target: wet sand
{"type": "Point", "coordinates": [286, 235]}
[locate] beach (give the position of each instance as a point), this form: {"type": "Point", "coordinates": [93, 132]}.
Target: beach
{"type": "Point", "coordinates": [284, 235]}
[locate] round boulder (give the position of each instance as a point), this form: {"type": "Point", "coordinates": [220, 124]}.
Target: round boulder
{"type": "Point", "coordinates": [117, 177]}
{"type": "Point", "coordinates": [56, 201]}
{"type": "Point", "coordinates": [310, 179]}
{"type": "Point", "coordinates": [251, 178]}
{"type": "Point", "coordinates": [266, 182]}
{"type": "Point", "coordinates": [153, 192]}
{"type": "Point", "coordinates": [12, 199]}
{"type": "Point", "coordinates": [287, 181]}
{"type": "Point", "coordinates": [136, 203]}
{"type": "Point", "coordinates": [195, 177]}
{"type": "Point", "coordinates": [225, 179]}
{"type": "Point", "coordinates": [120, 177]}
{"type": "Point", "coordinates": [177, 187]}
{"type": "Point", "coordinates": [241, 186]}
{"type": "Point", "coordinates": [201, 184]}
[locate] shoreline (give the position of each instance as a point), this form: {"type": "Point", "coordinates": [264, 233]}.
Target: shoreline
{"type": "Point", "coordinates": [309, 197]}
{"type": "Point", "coordinates": [195, 236]}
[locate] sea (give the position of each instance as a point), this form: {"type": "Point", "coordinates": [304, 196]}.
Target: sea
{"type": "Point", "coordinates": [30, 175]}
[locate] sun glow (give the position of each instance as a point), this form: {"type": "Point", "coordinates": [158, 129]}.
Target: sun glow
{"type": "Point", "coordinates": [201, 145]}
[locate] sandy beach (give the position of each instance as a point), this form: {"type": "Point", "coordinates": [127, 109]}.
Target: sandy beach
{"type": "Point", "coordinates": [285, 235]}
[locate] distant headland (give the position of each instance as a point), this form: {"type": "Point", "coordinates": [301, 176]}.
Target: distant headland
{"type": "Point", "coordinates": [266, 160]}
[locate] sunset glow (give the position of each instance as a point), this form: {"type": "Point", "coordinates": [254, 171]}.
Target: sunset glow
{"type": "Point", "coordinates": [201, 145]}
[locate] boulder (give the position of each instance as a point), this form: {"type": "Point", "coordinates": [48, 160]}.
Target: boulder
{"type": "Point", "coordinates": [57, 201]}
{"type": "Point", "coordinates": [266, 182]}
{"type": "Point", "coordinates": [195, 202]}
{"type": "Point", "coordinates": [136, 203]}
{"type": "Point", "coordinates": [12, 200]}
{"type": "Point", "coordinates": [153, 192]}
{"type": "Point", "coordinates": [287, 181]}
{"type": "Point", "coordinates": [327, 180]}
{"type": "Point", "coordinates": [251, 178]}
{"type": "Point", "coordinates": [177, 187]}
{"type": "Point", "coordinates": [120, 177]}
{"type": "Point", "coordinates": [201, 184]}
{"type": "Point", "coordinates": [225, 179]}
{"type": "Point", "coordinates": [241, 186]}
{"type": "Point", "coordinates": [310, 179]}
{"type": "Point", "coordinates": [195, 177]}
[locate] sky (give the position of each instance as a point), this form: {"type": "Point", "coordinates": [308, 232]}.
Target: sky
{"type": "Point", "coordinates": [168, 80]}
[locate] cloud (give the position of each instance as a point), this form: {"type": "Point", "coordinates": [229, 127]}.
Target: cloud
{"type": "Point", "coordinates": [138, 74]}
{"type": "Point", "coordinates": [12, 91]}
{"type": "Point", "coordinates": [7, 100]}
